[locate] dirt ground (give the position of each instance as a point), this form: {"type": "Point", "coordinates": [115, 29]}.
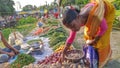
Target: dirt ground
{"type": "Point", "coordinates": [115, 45]}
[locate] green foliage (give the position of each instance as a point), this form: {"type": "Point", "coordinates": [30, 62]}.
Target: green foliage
{"type": "Point", "coordinates": [29, 8]}
{"type": "Point", "coordinates": [74, 2]}
{"type": "Point", "coordinates": [6, 7]}
{"type": "Point", "coordinates": [24, 29]}
{"type": "Point", "coordinates": [56, 40]}
{"type": "Point", "coordinates": [81, 3]}
{"type": "Point", "coordinates": [117, 13]}
{"type": "Point", "coordinates": [116, 23]}
{"type": "Point", "coordinates": [42, 7]}
{"type": "Point", "coordinates": [32, 41]}
{"type": "Point", "coordinates": [52, 22]}
{"type": "Point", "coordinates": [117, 4]}
{"type": "Point", "coordinates": [57, 37]}
{"type": "Point", "coordinates": [6, 32]}
{"type": "Point", "coordinates": [58, 45]}
{"type": "Point", "coordinates": [22, 60]}
{"type": "Point", "coordinates": [28, 20]}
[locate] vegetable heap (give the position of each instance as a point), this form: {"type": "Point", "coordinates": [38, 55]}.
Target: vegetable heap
{"type": "Point", "coordinates": [22, 60]}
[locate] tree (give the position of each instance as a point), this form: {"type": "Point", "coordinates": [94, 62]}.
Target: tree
{"type": "Point", "coordinates": [6, 7]}
{"type": "Point", "coordinates": [117, 4]}
{"type": "Point", "coordinates": [28, 8]}
{"type": "Point", "coordinates": [42, 7]}
{"type": "Point", "coordinates": [34, 7]}
{"type": "Point", "coordinates": [80, 3]}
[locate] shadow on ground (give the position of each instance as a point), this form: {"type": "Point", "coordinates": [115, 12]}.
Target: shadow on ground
{"type": "Point", "coordinates": [113, 64]}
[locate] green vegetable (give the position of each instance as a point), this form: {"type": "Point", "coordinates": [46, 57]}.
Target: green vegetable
{"type": "Point", "coordinates": [32, 41]}
{"type": "Point", "coordinates": [58, 45]}
{"type": "Point", "coordinates": [22, 60]}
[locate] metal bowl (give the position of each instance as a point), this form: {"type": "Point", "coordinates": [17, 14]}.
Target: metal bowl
{"type": "Point", "coordinates": [74, 55]}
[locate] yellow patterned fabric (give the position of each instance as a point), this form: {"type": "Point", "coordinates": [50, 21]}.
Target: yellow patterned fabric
{"type": "Point", "coordinates": [103, 45]}
{"type": "Point", "coordinates": [109, 16]}
{"type": "Point", "coordinates": [94, 19]}
{"type": "Point", "coordinates": [91, 29]}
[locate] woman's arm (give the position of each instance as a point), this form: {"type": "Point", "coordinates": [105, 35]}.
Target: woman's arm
{"type": "Point", "coordinates": [71, 37]}
{"type": "Point", "coordinates": [69, 40]}
{"type": "Point", "coordinates": [6, 43]}
{"type": "Point", "coordinates": [103, 27]}
{"type": "Point", "coordinates": [8, 53]}
{"type": "Point", "coordinates": [3, 52]}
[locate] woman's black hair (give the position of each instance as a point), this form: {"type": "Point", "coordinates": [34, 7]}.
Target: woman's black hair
{"type": "Point", "coordinates": [69, 15]}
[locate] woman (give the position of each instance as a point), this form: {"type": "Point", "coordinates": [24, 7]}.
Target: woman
{"type": "Point", "coordinates": [8, 52]}
{"type": "Point", "coordinates": [97, 17]}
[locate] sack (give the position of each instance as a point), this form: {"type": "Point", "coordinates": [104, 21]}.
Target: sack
{"type": "Point", "coordinates": [11, 38]}
{"type": "Point", "coordinates": [91, 55]}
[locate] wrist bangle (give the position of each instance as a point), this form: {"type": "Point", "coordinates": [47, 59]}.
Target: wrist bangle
{"type": "Point", "coordinates": [97, 38]}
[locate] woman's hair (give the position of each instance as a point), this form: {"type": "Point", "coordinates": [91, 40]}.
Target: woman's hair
{"type": "Point", "coordinates": [69, 15]}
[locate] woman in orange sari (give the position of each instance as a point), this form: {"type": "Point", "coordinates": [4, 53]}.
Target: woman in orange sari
{"type": "Point", "coordinates": [97, 17]}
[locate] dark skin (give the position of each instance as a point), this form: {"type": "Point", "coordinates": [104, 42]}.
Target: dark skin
{"type": "Point", "coordinates": [76, 24]}
{"type": "Point", "coordinates": [14, 51]}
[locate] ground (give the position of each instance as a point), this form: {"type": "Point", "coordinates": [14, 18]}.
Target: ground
{"type": "Point", "coordinates": [115, 45]}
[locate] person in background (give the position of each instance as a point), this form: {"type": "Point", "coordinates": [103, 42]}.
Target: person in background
{"type": "Point", "coordinates": [97, 18]}
{"type": "Point", "coordinates": [9, 51]}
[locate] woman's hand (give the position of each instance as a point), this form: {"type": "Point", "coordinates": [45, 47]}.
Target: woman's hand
{"type": "Point", "coordinates": [64, 52]}
{"type": "Point", "coordinates": [90, 42]}
{"type": "Point", "coordinates": [62, 57]}
{"type": "Point", "coordinates": [11, 54]}
{"type": "Point", "coordinates": [16, 51]}
{"type": "Point", "coordinates": [94, 41]}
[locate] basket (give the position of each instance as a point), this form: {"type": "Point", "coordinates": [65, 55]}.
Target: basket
{"type": "Point", "coordinates": [74, 55]}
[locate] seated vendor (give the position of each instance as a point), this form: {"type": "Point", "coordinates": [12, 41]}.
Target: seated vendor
{"type": "Point", "coordinates": [9, 51]}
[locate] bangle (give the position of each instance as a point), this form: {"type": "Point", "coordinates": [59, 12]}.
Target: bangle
{"type": "Point", "coordinates": [97, 38]}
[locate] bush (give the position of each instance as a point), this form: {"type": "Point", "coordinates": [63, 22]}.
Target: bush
{"type": "Point", "coordinates": [116, 23]}
{"type": "Point", "coordinates": [117, 12]}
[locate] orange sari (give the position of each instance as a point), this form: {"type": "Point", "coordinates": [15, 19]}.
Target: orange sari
{"type": "Point", "coordinates": [103, 45]}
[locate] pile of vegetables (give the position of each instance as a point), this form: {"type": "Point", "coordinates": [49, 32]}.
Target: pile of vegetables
{"type": "Point", "coordinates": [54, 58]}
{"type": "Point", "coordinates": [27, 20]}
{"type": "Point", "coordinates": [39, 31]}
{"type": "Point", "coordinates": [56, 65]}
{"type": "Point", "coordinates": [59, 49]}
{"type": "Point", "coordinates": [52, 22]}
{"type": "Point", "coordinates": [22, 60]}
{"type": "Point", "coordinates": [57, 37]}
{"type": "Point", "coordinates": [53, 62]}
